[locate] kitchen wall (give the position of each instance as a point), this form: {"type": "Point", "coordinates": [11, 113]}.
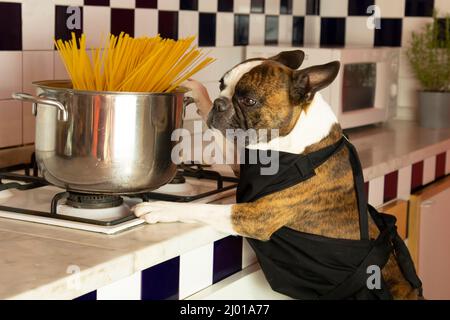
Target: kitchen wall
{"type": "Point", "coordinates": [27, 29]}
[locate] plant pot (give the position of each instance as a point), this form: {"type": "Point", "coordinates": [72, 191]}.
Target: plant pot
{"type": "Point", "coordinates": [434, 109]}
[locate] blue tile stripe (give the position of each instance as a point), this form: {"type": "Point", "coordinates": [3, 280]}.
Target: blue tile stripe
{"type": "Point", "coordinates": [161, 282]}
{"type": "Point", "coordinates": [88, 296]}
{"type": "Point", "coordinates": [227, 257]}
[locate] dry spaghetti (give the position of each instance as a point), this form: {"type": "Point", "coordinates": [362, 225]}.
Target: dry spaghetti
{"type": "Point", "coordinates": [131, 64]}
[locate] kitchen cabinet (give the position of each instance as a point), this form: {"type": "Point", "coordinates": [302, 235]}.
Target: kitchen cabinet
{"type": "Point", "coordinates": [399, 209]}
{"type": "Point", "coordinates": [429, 238]}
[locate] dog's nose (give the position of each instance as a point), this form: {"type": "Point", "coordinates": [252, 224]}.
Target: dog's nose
{"type": "Point", "coordinates": [221, 104]}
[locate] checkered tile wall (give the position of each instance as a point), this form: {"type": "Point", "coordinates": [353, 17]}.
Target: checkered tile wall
{"type": "Point", "coordinates": [31, 25]}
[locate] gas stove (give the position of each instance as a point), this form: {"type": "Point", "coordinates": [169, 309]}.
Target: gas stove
{"type": "Point", "coordinates": [28, 197]}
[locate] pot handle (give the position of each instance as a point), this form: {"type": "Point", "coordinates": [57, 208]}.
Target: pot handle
{"type": "Point", "coordinates": [187, 101]}
{"type": "Point", "coordinates": [63, 115]}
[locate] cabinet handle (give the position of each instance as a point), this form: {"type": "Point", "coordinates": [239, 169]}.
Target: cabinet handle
{"type": "Point", "coordinates": [427, 204]}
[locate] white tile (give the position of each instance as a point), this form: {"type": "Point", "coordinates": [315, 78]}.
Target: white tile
{"type": "Point", "coordinates": [333, 8]}
{"type": "Point", "coordinates": [406, 113]}
{"type": "Point", "coordinates": [404, 183]}
{"type": "Point", "coordinates": [242, 6]}
{"type": "Point", "coordinates": [447, 162]}
{"type": "Point", "coordinates": [256, 29]}
{"type": "Point", "coordinates": [442, 7]}
{"type": "Point", "coordinates": [225, 29]}
{"type": "Point", "coordinates": [10, 123]}
{"type": "Point", "coordinates": [272, 7]}
{"type": "Point", "coordinates": [410, 25]}
{"type": "Point", "coordinates": [226, 58]}
{"type": "Point", "coordinates": [248, 255]}
{"type": "Point", "coordinates": [11, 73]}
{"type": "Point", "coordinates": [169, 4]}
{"type": "Point", "coordinates": [285, 29]}
{"type": "Point", "coordinates": [60, 72]}
{"type": "Point", "coordinates": [376, 191]}
{"type": "Point", "coordinates": [38, 25]}
{"type": "Point", "coordinates": [125, 289]}
{"type": "Point", "coordinates": [196, 270]}
{"type": "Point", "coordinates": [145, 22]}
{"type": "Point", "coordinates": [407, 92]}
{"type": "Point", "coordinates": [37, 65]}
{"type": "Point", "coordinates": [188, 24]}
{"type": "Point", "coordinates": [131, 4]}
{"type": "Point", "coordinates": [299, 7]}
{"type": "Point", "coordinates": [312, 30]}
{"type": "Point", "coordinates": [96, 25]}
{"type": "Point", "coordinates": [405, 70]}
{"type": "Point", "coordinates": [207, 5]}
{"type": "Point", "coordinates": [429, 170]}
{"type": "Point", "coordinates": [357, 33]}
{"type": "Point", "coordinates": [391, 8]}
{"type": "Point", "coordinates": [68, 2]}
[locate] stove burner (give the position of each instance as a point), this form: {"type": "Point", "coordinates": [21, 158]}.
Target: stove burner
{"type": "Point", "coordinates": [93, 201]}
{"type": "Point", "coordinates": [179, 178]}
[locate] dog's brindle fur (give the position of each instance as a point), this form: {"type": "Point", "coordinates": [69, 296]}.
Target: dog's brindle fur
{"type": "Point", "coordinates": [325, 204]}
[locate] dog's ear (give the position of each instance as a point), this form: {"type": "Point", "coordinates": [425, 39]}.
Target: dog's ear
{"type": "Point", "coordinates": [306, 82]}
{"type": "Point", "coordinates": [292, 59]}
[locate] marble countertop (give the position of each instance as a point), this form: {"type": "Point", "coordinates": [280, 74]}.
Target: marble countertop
{"type": "Point", "coordinates": [394, 145]}
{"type": "Point", "coordinates": [36, 260]}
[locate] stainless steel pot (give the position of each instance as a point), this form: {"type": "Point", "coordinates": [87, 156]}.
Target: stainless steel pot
{"type": "Point", "coordinates": [104, 142]}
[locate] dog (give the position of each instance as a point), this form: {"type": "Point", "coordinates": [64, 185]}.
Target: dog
{"type": "Point", "coordinates": [272, 94]}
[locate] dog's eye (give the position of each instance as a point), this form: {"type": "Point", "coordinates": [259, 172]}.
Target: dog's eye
{"type": "Point", "coordinates": [248, 101]}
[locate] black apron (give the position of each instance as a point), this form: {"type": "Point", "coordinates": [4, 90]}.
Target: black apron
{"type": "Point", "coordinates": [307, 266]}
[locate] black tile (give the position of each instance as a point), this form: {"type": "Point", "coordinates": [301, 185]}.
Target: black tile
{"type": "Point", "coordinates": [189, 4]}
{"type": "Point", "coordinates": [419, 8]}
{"type": "Point", "coordinates": [286, 7]}
{"type": "Point", "coordinates": [313, 7]}
{"type": "Point", "coordinates": [298, 31]}
{"type": "Point", "coordinates": [257, 6]}
{"type": "Point", "coordinates": [225, 5]}
{"type": "Point", "coordinates": [332, 32]}
{"type": "Point", "coordinates": [168, 24]}
{"type": "Point", "coordinates": [207, 30]}
{"type": "Point", "coordinates": [151, 4]}
{"type": "Point", "coordinates": [241, 27]}
{"type": "Point", "coordinates": [271, 35]}
{"type": "Point", "coordinates": [122, 20]}
{"type": "Point", "coordinates": [359, 7]}
{"type": "Point", "coordinates": [67, 22]}
{"type": "Point", "coordinates": [96, 2]}
{"type": "Point", "coordinates": [10, 26]}
{"type": "Point", "coordinates": [161, 282]}
{"type": "Point", "coordinates": [389, 34]}
{"type": "Point", "coordinates": [227, 257]}
{"type": "Point", "coordinates": [91, 296]}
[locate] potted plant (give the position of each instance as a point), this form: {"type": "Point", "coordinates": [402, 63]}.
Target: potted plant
{"type": "Point", "coordinates": [429, 55]}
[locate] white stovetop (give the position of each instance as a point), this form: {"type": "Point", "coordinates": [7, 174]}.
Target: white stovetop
{"type": "Point", "coordinates": [39, 199]}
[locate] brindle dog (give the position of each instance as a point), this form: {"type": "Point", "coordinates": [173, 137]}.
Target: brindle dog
{"type": "Point", "coordinates": [272, 94]}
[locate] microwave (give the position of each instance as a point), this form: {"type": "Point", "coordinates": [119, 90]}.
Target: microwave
{"type": "Point", "coordinates": [365, 90]}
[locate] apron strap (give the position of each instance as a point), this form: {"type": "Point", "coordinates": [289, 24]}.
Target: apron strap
{"type": "Point", "coordinates": [359, 189]}
{"type": "Point", "coordinates": [400, 250]}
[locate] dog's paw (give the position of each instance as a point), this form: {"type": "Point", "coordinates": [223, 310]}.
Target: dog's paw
{"type": "Point", "coordinates": [161, 211]}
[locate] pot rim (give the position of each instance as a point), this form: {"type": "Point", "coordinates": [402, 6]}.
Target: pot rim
{"type": "Point", "coordinates": [47, 84]}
